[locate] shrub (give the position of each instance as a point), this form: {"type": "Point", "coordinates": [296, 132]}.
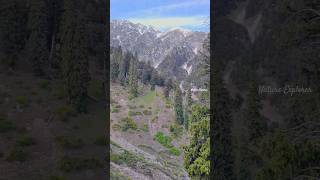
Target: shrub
{"type": "Point", "coordinates": [128, 123]}
{"type": "Point", "coordinates": [163, 139]}
{"type": "Point", "coordinates": [141, 106]}
{"type": "Point", "coordinates": [25, 141]}
{"type": "Point", "coordinates": [23, 101]}
{"type": "Point", "coordinates": [17, 154]}
{"type": "Point", "coordinates": [64, 112]}
{"type": "Point", "coordinates": [147, 112]}
{"type": "Point", "coordinates": [149, 107]}
{"type": "Point", "coordinates": [6, 126]}
{"type": "Point", "coordinates": [154, 119]}
{"type": "Point", "coordinates": [118, 176]}
{"type": "Point", "coordinates": [126, 158]}
{"type": "Point", "coordinates": [116, 158]}
{"type": "Point", "coordinates": [174, 151]}
{"type": "Point", "coordinates": [118, 106]}
{"type": "Point", "coordinates": [112, 101]}
{"type": "Point", "coordinates": [132, 107]}
{"type": "Point", "coordinates": [114, 144]}
{"type": "Point", "coordinates": [68, 164]}
{"type": "Point", "coordinates": [166, 142]}
{"type": "Point", "coordinates": [145, 128]}
{"type": "Point", "coordinates": [131, 113]}
{"type": "Point", "coordinates": [116, 127]}
{"type": "Point", "coordinates": [115, 110]}
{"type": "Point", "coordinates": [175, 129]}
{"type": "Point", "coordinates": [69, 143]}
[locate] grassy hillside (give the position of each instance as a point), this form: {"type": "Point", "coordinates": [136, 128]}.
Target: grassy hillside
{"type": "Point", "coordinates": [43, 137]}
{"type": "Point", "coordinates": [144, 142]}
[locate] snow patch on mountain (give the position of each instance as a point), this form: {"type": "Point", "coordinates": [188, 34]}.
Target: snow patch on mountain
{"type": "Point", "coordinates": [187, 68]}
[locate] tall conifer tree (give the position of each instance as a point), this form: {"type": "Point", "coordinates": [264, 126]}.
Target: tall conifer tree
{"type": "Point", "coordinates": [74, 56]}
{"type": "Point", "coordinates": [178, 106]}
{"type": "Point", "coordinates": [38, 41]}
{"type": "Point", "coordinates": [222, 160]}
{"type": "Point", "coordinates": [133, 79]}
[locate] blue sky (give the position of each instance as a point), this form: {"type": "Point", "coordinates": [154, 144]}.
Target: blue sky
{"type": "Point", "coordinates": [164, 14]}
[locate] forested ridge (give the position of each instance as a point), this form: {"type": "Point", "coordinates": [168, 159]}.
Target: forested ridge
{"type": "Point", "coordinates": [52, 102]}
{"type": "Point", "coordinates": [273, 44]}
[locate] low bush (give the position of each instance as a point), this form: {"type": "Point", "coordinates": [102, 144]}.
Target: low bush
{"type": "Point", "coordinates": [25, 141]}
{"type": "Point", "coordinates": [17, 154]}
{"type": "Point", "coordinates": [6, 126]}
{"type": "Point", "coordinates": [163, 139]}
{"type": "Point", "coordinates": [154, 119]}
{"type": "Point", "coordinates": [147, 112]}
{"type": "Point", "coordinates": [116, 127]}
{"type": "Point", "coordinates": [115, 110]}
{"type": "Point", "coordinates": [166, 142]}
{"type": "Point", "coordinates": [128, 123]}
{"type": "Point", "coordinates": [131, 113]}
{"type": "Point", "coordinates": [23, 101]}
{"type": "Point", "coordinates": [64, 112]}
{"type": "Point", "coordinates": [132, 107]}
{"type": "Point", "coordinates": [69, 143]}
{"type": "Point", "coordinates": [174, 151]}
{"type": "Point", "coordinates": [145, 128]}
{"type": "Point", "coordinates": [68, 164]}
{"type": "Point", "coordinates": [126, 158]}
{"type": "Point", "coordinates": [175, 130]}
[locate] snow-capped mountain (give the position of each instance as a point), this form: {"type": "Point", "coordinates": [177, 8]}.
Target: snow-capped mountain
{"type": "Point", "coordinates": [169, 52]}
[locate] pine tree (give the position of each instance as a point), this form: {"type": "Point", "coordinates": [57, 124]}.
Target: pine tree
{"type": "Point", "coordinates": [133, 79]}
{"type": "Point", "coordinates": [55, 17]}
{"type": "Point", "coordinates": [222, 160]}
{"type": "Point", "coordinates": [115, 58]}
{"type": "Point", "coordinates": [197, 153]}
{"type": "Point", "coordinates": [189, 98]}
{"type": "Point", "coordinates": [38, 41]}
{"type": "Point", "coordinates": [74, 56]}
{"type": "Point", "coordinates": [255, 123]}
{"type": "Point", "coordinates": [178, 106]}
{"type": "Point", "coordinates": [12, 30]}
{"type": "Point", "coordinates": [123, 68]}
{"type": "Point", "coordinates": [146, 73]}
{"type": "Point", "coordinates": [167, 88]}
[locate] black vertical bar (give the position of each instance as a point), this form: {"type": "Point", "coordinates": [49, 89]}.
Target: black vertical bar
{"type": "Point", "coordinates": [107, 83]}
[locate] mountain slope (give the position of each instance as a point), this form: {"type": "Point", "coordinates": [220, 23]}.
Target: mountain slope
{"type": "Point", "coordinates": [135, 150]}
{"type": "Point", "coordinates": [166, 50]}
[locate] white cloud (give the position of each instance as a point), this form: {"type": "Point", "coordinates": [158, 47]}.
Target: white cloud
{"type": "Point", "coordinates": [171, 22]}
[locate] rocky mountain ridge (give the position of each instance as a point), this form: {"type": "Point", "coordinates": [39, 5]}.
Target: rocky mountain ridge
{"type": "Point", "coordinates": [171, 52]}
